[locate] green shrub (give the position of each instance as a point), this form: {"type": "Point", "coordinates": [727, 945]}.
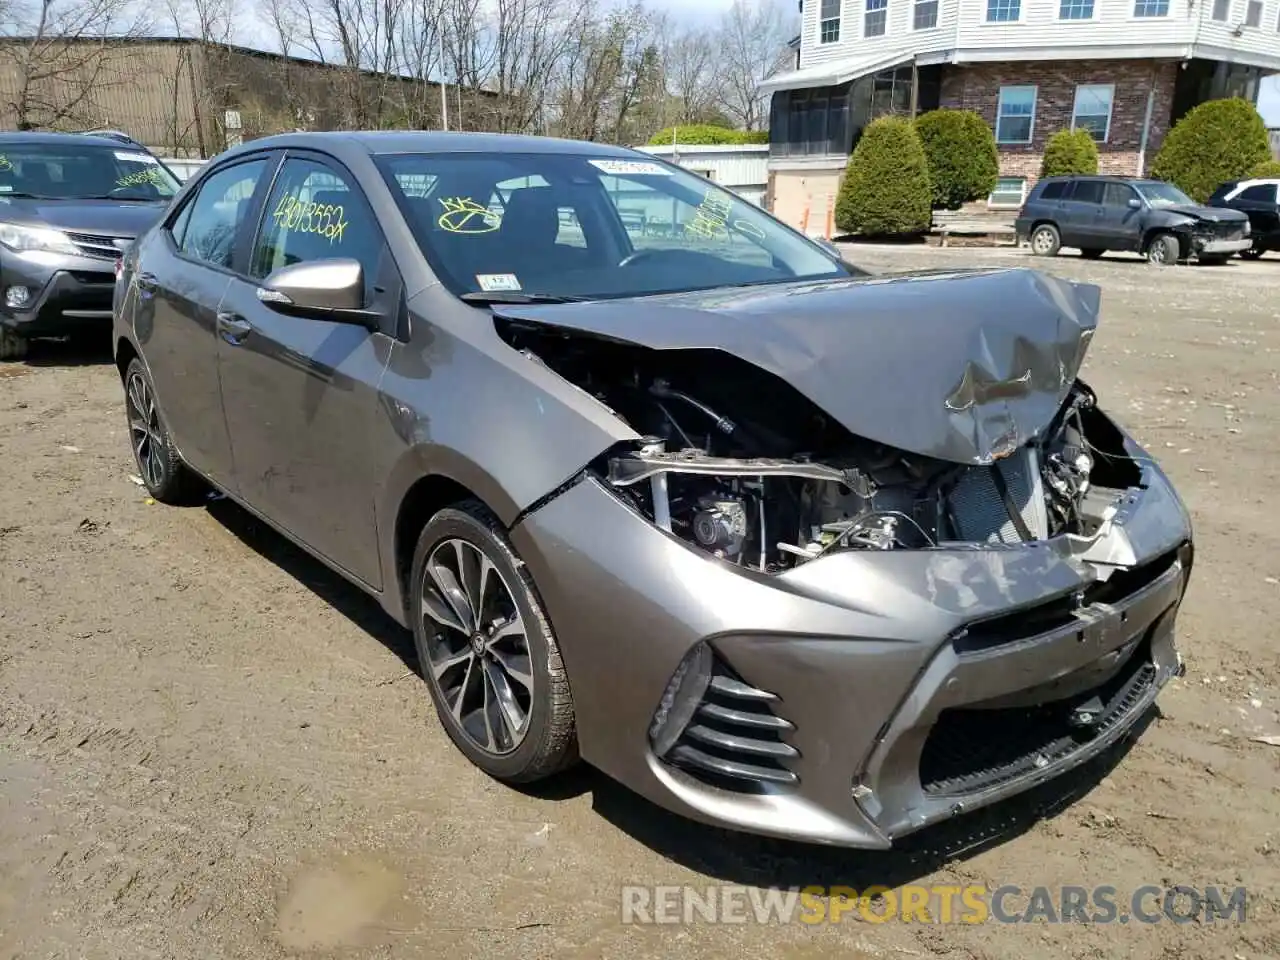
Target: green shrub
{"type": "Point", "coordinates": [1267, 169]}
{"type": "Point", "coordinates": [1215, 142]}
{"type": "Point", "coordinates": [961, 151]}
{"type": "Point", "coordinates": [1068, 152]}
{"type": "Point", "coordinates": [705, 135]}
{"type": "Point", "coordinates": [886, 188]}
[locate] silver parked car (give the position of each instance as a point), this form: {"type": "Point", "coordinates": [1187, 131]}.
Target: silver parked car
{"type": "Point", "coordinates": [657, 481]}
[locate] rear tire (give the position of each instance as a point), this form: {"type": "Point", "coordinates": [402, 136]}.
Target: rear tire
{"type": "Point", "coordinates": [1045, 240]}
{"type": "Point", "coordinates": [13, 346]}
{"type": "Point", "coordinates": [163, 473]}
{"type": "Point", "coordinates": [1163, 250]}
{"type": "Point", "coordinates": [1092, 253]}
{"type": "Point", "coordinates": [487, 650]}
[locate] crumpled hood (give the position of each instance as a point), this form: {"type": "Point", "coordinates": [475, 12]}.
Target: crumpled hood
{"type": "Point", "coordinates": [1212, 214]}
{"type": "Point", "coordinates": [964, 366]}
{"type": "Point", "coordinates": [105, 218]}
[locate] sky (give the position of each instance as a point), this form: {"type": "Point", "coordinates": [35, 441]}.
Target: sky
{"type": "Point", "coordinates": [1269, 101]}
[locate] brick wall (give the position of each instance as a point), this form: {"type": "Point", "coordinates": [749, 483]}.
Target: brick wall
{"type": "Point", "coordinates": [977, 88]}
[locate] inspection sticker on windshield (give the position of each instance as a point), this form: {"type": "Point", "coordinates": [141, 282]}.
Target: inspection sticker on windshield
{"type": "Point", "coordinates": [622, 168]}
{"type": "Point", "coordinates": [137, 158]}
{"type": "Point", "coordinates": [490, 282]}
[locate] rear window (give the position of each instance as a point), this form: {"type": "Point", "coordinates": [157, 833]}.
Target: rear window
{"type": "Point", "coordinates": [1054, 190]}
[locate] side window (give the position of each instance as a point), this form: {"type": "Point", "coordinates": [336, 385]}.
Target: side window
{"type": "Point", "coordinates": [1259, 193]}
{"type": "Point", "coordinates": [217, 213]}
{"type": "Point", "coordinates": [1118, 194]}
{"type": "Point", "coordinates": [314, 214]}
{"type": "Point", "coordinates": [1088, 191]}
{"type": "Point", "coordinates": [1054, 189]}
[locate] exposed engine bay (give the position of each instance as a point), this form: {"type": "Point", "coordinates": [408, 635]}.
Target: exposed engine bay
{"type": "Point", "coordinates": [740, 464]}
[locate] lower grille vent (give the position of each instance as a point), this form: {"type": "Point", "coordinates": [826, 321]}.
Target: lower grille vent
{"type": "Point", "coordinates": [735, 738]}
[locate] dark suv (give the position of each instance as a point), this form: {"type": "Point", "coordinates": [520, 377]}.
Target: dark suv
{"type": "Point", "coordinates": [70, 204]}
{"type": "Point", "coordinates": [1257, 200]}
{"type": "Point", "coordinates": [1151, 217]}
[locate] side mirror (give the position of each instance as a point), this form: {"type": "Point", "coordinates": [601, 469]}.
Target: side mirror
{"type": "Point", "coordinates": [1135, 203]}
{"type": "Point", "coordinates": [319, 289]}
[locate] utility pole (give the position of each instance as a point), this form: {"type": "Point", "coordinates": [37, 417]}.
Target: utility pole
{"type": "Point", "coordinates": [444, 91]}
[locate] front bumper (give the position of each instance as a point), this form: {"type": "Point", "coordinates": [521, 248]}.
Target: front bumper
{"type": "Point", "coordinates": [877, 664]}
{"type": "Point", "coordinates": [67, 294]}
{"type": "Point", "coordinates": [1220, 247]}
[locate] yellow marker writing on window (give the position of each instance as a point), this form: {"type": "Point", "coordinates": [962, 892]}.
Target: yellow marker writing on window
{"type": "Point", "coordinates": [5, 165]}
{"type": "Point", "coordinates": [326, 220]}
{"type": "Point", "coordinates": [464, 215]}
{"type": "Point", "coordinates": [710, 218]}
{"type": "Point", "coordinates": [149, 175]}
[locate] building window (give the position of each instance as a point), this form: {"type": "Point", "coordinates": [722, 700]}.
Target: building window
{"type": "Point", "coordinates": [1092, 109]}
{"type": "Point", "coordinates": [1253, 14]}
{"type": "Point", "coordinates": [877, 11]}
{"type": "Point", "coordinates": [1003, 11]}
{"type": "Point", "coordinates": [1015, 114]}
{"type": "Point", "coordinates": [829, 22]}
{"type": "Point", "coordinates": [1151, 8]}
{"type": "Point", "coordinates": [925, 16]}
{"type": "Point", "coordinates": [1075, 10]}
{"type": "Point", "coordinates": [1009, 192]}
{"type": "Point", "coordinates": [1221, 9]}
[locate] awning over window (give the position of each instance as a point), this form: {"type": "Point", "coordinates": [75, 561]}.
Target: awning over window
{"type": "Point", "coordinates": [832, 74]}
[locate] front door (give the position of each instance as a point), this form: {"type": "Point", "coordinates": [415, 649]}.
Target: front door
{"type": "Point", "coordinates": [300, 395]}
{"type": "Point", "coordinates": [174, 322]}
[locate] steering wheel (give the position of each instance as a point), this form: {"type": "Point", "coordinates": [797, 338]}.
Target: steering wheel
{"type": "Point", "coordinates": [637, 255]}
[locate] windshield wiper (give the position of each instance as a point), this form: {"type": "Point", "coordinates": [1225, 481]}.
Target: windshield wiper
{"type": "Point", "coordinates": [19, 195]}
{"type": "Point", "coordinates": [513, 296]}
{"type": "Point", "coordinates": [107, 196]}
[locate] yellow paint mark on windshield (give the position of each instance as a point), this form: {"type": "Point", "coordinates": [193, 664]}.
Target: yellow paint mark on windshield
{"type": "Point", "coordinates": [710, 217]}
{"type": "Point", "coordinates": [464, 215]}
{"type": "Point", "coordinates": [5, 165]}
{"type": "Point", "coordinates": [149, 175]}
{"type": "Point", "coordinates": [749, 228]}
{"type": "Point", "coordinates": [296, 215]}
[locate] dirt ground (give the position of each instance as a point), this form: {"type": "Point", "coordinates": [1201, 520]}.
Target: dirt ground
{"type": "Point", "coordinates": [211, 747]}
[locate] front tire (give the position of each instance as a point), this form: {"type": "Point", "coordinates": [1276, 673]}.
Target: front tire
{"type": "Point", "coordinates": [13, 346]}
{"type": "Point", "coordinates": [1045, 240]}
{"type": "Point", "coordinates": [1163, 250]}
{"type": "Point", "coordinates": [1253, 253]}
{"type": "Point", "coordinates": [163, 473]}
{"type": "Point", "coordinates": [487, 650]}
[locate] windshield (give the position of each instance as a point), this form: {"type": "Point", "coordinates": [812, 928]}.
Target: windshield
{"type": "Point", "coordinates": [581, 226]}
{"type": "Point", "coordinates": [69, 170]}
{"type": "Point", "coordinates": [1160, 194]}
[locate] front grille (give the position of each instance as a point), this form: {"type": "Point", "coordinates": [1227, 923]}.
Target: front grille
{"type": "Point", "coordinates": [735, 739]}
{"type": "Point", "coordinates": [970, 749]}
{"type": "Point", "coordinates": [98, 247]}
{"type": "Point", "coordinates": [1061, 611]}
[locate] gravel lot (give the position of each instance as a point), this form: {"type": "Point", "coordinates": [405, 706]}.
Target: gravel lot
{"type": "Point", "coordinates": [211, 747]}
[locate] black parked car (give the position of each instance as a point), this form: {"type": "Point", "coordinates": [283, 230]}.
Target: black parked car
{"type": "Point", "coordinates": [1257, 200]}
{"type": "Point", "coordinates": [1151, 217]}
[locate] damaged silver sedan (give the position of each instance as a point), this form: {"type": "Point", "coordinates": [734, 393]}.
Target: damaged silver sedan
{"type": "Point", "coordinates": [659, 483]}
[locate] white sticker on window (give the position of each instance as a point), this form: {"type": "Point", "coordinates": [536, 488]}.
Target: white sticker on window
{"type": "Point", "coordinates": [489, 282]}
{"type": "Point", "coordinates": [137, 158]}
{"type": "Point", "coordinates": [622, 168]}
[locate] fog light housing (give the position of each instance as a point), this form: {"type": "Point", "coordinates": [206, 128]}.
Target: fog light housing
{"type": "Point", "coordinates": [17, 296]}
{"type": "Point", "coordinates": [680, 699]}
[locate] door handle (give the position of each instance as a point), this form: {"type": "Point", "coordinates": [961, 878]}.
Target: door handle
{"type": "Point", "coordinates": [233, 328]}
{"type": "Point", "coordinates": [147, 282]}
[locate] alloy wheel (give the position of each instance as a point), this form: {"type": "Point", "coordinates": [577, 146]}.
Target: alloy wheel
{"type": "Point", "coordinates": [1042, 242]}
{"type": "Point", "coordinates": [145, 431]}
{"type": "Point", "coordinates": [477, 647]}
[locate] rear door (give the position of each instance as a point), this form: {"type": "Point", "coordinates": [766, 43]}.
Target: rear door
{"type": "Point", "coordinates": [1081, 215]}
{"type": "Point", "coordinates": [301, 394]}
{"type": "Point", "coordinates": [182, 275]}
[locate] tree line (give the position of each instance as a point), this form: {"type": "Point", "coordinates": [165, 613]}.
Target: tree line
{"type": "Point", "coordinates": [603, 70]}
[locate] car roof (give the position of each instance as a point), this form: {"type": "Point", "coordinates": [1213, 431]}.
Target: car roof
{"type": "Point", "coordinates": [57, 138]}
{"type": "Point", "coordinates": [377, 142]}
{"type": "Point", "coordinates": [1099, 176]}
